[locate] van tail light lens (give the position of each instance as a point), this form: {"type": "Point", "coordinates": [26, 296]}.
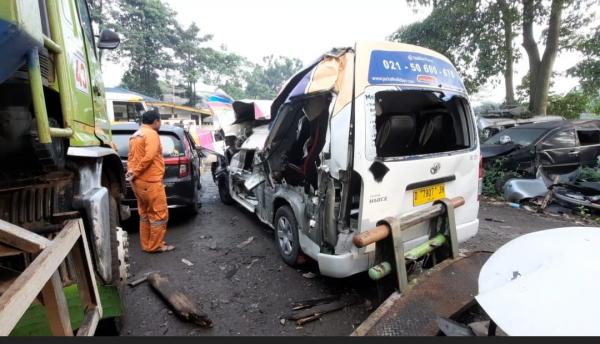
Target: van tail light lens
{"type": "Point", "coordinates": [481, 175]}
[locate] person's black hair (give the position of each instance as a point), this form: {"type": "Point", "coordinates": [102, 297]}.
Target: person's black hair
{"type": "Point", "coordinates": [150, 116]}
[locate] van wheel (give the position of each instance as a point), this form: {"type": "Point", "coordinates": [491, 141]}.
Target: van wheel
{"type": "Point", "coordinates": [286, 236]}
{"type": "Point", "coordinates": [224, 191]}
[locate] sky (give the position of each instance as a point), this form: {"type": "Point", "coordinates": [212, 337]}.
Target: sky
{"type": "Point", "coordinates": [305, 29]}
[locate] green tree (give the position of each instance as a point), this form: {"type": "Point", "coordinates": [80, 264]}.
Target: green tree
{"type": "Point", "coordinates": [467, 33]}
{"type": "Point", "coordinates": [588, 70]}
{"type": "Point", "coordinates": [149, 33]}
{"type": "Point", "coordinates": [570, 105]}
{"type": "Point", "coordinates": [562, 22]}
{"type": "Point", "coordinates": [266, 80]}
{"type": "Point", "coordinates": [226, 70]}
{"type": "Point", "coordinates": [191, 58]}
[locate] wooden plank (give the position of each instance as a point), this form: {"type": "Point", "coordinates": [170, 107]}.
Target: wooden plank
{"type": "Point", "coordinates": [7, 251]}
{"type": "Point", "coordinates": [56, 305]}
{"type": "Point", "coordinates": [179, 302]}
{"type": "Point", "coordinates": [90, 322]}
{"type": "Point", "coordinates": [15, 301]}
{"type": "Point", "coordinates": [84, 272]}
{"type": "Point", "coordinates": [21, 238]}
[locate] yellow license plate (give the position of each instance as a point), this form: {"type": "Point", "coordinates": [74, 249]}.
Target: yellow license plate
{"type": "Point", "coordinates": [428, 194]}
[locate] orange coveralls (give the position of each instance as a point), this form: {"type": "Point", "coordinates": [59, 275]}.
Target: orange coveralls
{"type": "Point", "coordinates": [146, 163]}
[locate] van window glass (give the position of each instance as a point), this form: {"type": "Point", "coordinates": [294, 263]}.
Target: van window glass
{"type": "Point", "coordinates": [520, 136]}
{"type": "Point", "coordinates": [415, 122]}
{"type": "Point", "coordinates": [562, 139]}
{"type": "Point", "coordinates": [588, 137]}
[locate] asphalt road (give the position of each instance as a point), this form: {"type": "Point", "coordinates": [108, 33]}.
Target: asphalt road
{"type": "Point", "coordinates": [246, 290]}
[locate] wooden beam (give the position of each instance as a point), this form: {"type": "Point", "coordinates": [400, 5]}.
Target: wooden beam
{"type": "Point", "coordinates": [84, 273]}
{"type": "Point", "coordinates": [56, 305]}
{"type": "Point", "coordinates": [21, 238]}
{"type": "Point", "coordinates": [15, 301]}
{"type": "Point", "coordinates": [178, 301]}
{"type": "Point", "coordinates": [8, 251]}
{"type": "Point", "coordinates": [90, 322]}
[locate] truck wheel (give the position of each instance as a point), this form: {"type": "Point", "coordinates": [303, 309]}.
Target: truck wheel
{"type": "Point", "coordinates": [224, 190]}
{"type": "Point", "coordinates": [286, 235]}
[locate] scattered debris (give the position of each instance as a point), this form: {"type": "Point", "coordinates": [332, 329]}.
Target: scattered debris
{"type": "Point", "coordinates": [494, 220]}
{"type": "Point", "coordinates": [178, 301]}
{"type": "Point", "coordinates": [313, 302]}
{"type": "Point", "coordinates": [138, 281]}
{"type": "Point", "coordinates": [303, 316]}
{"type": "Point", "coordinates": [241, 245]}
{"type": "Point", "coordinates": [187, 262]}
{"type": "Point", "coordinates": [452, 328]}
{"type": "Point", "coordinates": [232, 272]}
{"type": "Point", "coordinates": [213, 246]}
{"type": "Point", "coordinates": [282, 321]}
{"type": "Point", "coordinates": [480, 328]}
{"type": "Point", "coordinates": [223, 267]}
{"type": "Point", "coordinates": [309, 275]}
{"type": "Point", "coordinates": [252, 263]}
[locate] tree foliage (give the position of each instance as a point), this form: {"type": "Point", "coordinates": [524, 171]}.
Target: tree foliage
{"type": "Point", "coordinates": [267, 79]}
{"type": "Point", "coordinates": [570, 106]}
{"type": "Point", "coordinates": [588, 70]}
{"type": "Point", "coordinates": [467, 32]}
{"type": "Point", "coordinates": [149, 35]}
{"type": "Point", "coordinates": [478, 35]}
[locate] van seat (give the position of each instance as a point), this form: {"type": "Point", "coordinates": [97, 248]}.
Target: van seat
{"type": "Point", "coordinates": [395, 136]}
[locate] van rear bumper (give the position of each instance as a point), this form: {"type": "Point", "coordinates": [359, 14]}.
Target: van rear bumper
{"type": "Point", "coordinates": [348, 264]}
{"type": "Point", "coordinates": [467, 230]}
{"type": "Point", "coordinates": [344, 265]}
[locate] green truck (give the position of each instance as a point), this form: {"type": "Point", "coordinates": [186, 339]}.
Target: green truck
{"type": "Point", "coordinates": [57, 157]}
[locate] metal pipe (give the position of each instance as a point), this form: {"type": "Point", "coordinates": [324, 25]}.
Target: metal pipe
{"type": "Point", "coordinates": [426, 247]}
{"type": "Point", "coordinates": [66, 102]}
{"type": "Point", "coordinates": [379, 271]}
{"type": "Point", "coordinates": [37, 92]}
{"type": "Point", "coordinates": [61, 132]}
{"type": "Point", "coordinates": [382, 231]}
{"type": "Point", "coordinates": [51, 45]}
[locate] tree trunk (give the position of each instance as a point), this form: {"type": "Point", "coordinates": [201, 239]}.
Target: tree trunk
{"type": "Point", "coordinates": [544, 73]}
{"type": "Point", "coordinates": [531, 48]}
{"type": "Point", "coordinates": [507, 20]}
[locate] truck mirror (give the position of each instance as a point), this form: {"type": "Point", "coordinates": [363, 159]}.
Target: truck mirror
{"type": "Point", "coordinates": [108, 40]}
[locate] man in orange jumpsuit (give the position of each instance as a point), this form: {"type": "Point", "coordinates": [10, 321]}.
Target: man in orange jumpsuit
{"type": "Point", "coordinates": [145, 171]}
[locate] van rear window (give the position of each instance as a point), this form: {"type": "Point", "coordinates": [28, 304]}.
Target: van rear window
{"type": "Point", "coordinates": [416, 122]}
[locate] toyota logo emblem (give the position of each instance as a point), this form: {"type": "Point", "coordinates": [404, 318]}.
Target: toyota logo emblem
{"type": "Point", "coordinates": [435, 168]}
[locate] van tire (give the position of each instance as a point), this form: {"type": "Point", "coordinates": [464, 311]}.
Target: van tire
{"type": "Point", "coordinates": [224, 190]}
{"type": "Point", "coordinates": [286, 236]}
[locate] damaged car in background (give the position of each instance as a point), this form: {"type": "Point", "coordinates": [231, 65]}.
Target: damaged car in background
{"type": "Point", "coordinates": [560, 147]}
{"type": "Point", "coordinates": [364, 133]}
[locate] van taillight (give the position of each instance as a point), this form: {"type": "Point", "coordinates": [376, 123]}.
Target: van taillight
{"type": "Point", "coordinates": [481, 174]}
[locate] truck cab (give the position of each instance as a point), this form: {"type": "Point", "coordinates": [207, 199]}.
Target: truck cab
{"type": "Point", "coordinates": [55, 137]}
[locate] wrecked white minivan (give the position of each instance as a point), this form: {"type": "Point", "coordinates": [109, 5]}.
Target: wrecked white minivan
{"type": "Point", "coordinates": [364, 133]}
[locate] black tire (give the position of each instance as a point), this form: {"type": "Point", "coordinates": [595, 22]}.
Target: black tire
{"type": "Point", "coordinates": [286, 236]}
{"type": "Point", "coordinates": [224, 190]}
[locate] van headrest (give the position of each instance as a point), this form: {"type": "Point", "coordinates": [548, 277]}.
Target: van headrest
{"type": "Point", "coordinates": [395, 135]}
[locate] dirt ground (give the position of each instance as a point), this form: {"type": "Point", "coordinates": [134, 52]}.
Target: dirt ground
{"type": "Point", "coordinates": [246, 290]}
